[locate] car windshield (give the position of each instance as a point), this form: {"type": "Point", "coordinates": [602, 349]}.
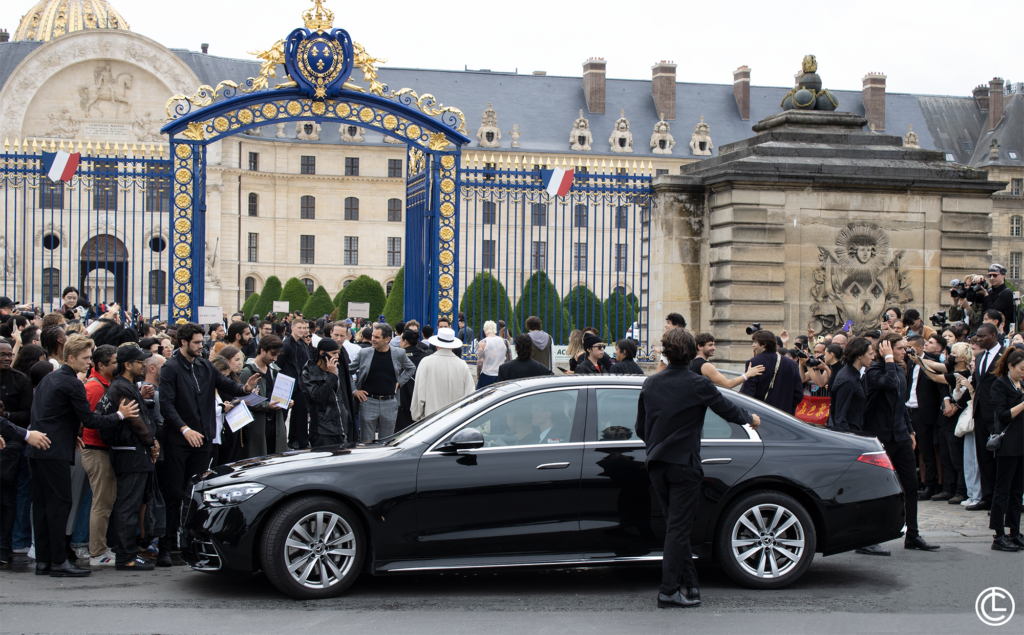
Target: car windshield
{"type": "Point", "coordinates": [443, 412]}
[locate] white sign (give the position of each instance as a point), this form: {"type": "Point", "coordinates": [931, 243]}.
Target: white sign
{"type": "Point", "coordinates": [281, 306]}
{"type": "Point", "coordinates": [210, 315]}
{"type": "Point", "coordinates": [238, 417]}
{"type": "Point", "coordinates": [358, 310]}
{"type": "Point", "coordinates": [561, 357]}
{"type": "Point", "coordinates": [118, 131]}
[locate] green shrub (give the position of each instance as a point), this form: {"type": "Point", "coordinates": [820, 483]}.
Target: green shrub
{"type": "Point", "coordinates": [363, 289]}
{"type": "Point", "coordinates": [394, 308]}
{"type": "Point", "coordinates": [585, 309]}
{"type": "Point", "coordinates": [485, 299]}
{"type": "Point", "coordinates": [335, 314]}
{"type": "Point", "coordinates": [295, 293]}
{"type": "Point", "coordinates": [622, 311]}
{"type": "Point", "coordinates": [271, 293]}
{"type": "Point", "coordinates": [540, 298]}
{"type": "Point", "coordinates": [249, 306]}
{"type": "Point", "coordinates": [318, 305]}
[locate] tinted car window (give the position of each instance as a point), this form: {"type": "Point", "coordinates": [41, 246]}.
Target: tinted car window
{"type": "Point", "coordinates": [616, 418]}
{"type": "Point", "coordinates": [538, 418]}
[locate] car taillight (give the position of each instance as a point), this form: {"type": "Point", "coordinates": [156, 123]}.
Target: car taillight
{"type": "Point", "coordinates": [881, 459]}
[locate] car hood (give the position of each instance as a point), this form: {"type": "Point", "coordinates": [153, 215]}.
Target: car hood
{"type": "Point", "coordinates": [294, 461]}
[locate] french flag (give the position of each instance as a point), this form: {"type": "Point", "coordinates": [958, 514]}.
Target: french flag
{"type": "Point", "coordinates": [59, 165]}
{"type": "Point", "coordinates": [557, 182]}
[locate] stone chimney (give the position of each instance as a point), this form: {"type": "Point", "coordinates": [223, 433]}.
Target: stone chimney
{"type": "Point", "coordinates": [981, 96]}
{"type": "Point", "coordinates": [663, 89]}
{"type": "Point", "coordinates": [593, 84]}
{"type": "Point", "coordinates": [4, 35]}
{"type": "Point", "coordinates": [874, 100]}
{"type": "Point", "coordinates": [741, 90]}
{"type": "Point", "coordinates": [995, 102]}
{"type": "Point", "coordinates": [205, 48]}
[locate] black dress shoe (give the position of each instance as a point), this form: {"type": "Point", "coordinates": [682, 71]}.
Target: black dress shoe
{"type": "Point", "coordinates": [874, 550]}
{"type": "Point", "coordinates": [1018, 540]}
{"type": "Point", "coordinates": [163, 558]}
{"type": "Point", "coordinates": [917, 542]}
{"type": "Point", "coordinates": [676, 601]}
{"type": "Point", "coordinates": [693, 593]}
{"type": "Point", "coordinates": [926, 494]}
{"type": "Point", "coordinates": [68, 570]}
{"type": "Point", "coordinates": [42, 568]}
{"type": "Point", "coordinates": [1003, 543]}
{"type": "Point", "coordinates": [982, 505]}
{"type": "Point", "coordinates": [942, 496]}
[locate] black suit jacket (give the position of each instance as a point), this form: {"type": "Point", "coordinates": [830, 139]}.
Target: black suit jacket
{"type": "Point", "coordinates": [983, 395]}
{"type": "Point", "coordinates": [786, 393]}
{"type": "Point", "coordinates": [929, 396]}
{"type": "Point", "coordinates": [886, 413]}
{"type": "Point", "coordinates": [58, 407]}
{"type": "Point", "coordinates": [1005, 397]}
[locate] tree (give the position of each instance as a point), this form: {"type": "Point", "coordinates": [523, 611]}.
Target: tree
{"type": "Point", "coordinates": [335, 314]}
{"type": "Point", "coordinates": [318, 305]}
{"type": "Point", "coordinates": [485, 299]}
{"type": "Point", "coordinates": [249, 306]}
{"type": "Point", "coordinates": [271, 293]}
{"type": "Point", "coordinates": [363, 289]}
{"type": "Point", "coordinates": [337, 297]}
{"type": "Point", "coordinates": [394, 308]}
{"type": "Point", "coordinates": [295, 293]}
{"type": "Point", "coordinates": [585, 309]}
{"type": "Point", "coordinates": [540, 298]}
{"type": "Point", "coordinates": [622, 310]}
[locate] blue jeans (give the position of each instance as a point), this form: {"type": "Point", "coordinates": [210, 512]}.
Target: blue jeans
{"type": "Point", "coordinates": [80, 536]}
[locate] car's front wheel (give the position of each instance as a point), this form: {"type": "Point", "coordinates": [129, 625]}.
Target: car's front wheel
{"type": "Point", "coordinates": [766, 540]}
{"type": "Point", "coordinates": [313, 548]}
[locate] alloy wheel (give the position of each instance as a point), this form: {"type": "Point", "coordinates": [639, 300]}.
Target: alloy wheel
{"type": "Point", "coordinates": [767, 541]}
{"type": "Point", "coordinates": [320, 550]}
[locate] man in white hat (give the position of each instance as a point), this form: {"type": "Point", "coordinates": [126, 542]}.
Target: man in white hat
{"type": "Point", "coordinates": [442, 378]}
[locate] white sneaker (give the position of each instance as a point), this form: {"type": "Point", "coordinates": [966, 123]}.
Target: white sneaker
{"type": "Point", "coordinates": [106, 560]}
{"type": "Point", "coordinates": [82, 552]}
{"type": "Point", "coordinates": [32, 552]}
{"type": "Point", "coordinates": [969, 501]}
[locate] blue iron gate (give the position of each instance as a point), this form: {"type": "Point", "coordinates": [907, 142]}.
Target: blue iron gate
{"type": "Point", "coordinates": [105, 232]}
{"type": "Point", "coordinates": [573, 261]}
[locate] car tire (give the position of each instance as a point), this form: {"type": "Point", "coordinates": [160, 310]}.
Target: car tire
{"type": "Point", "coordinates": [751, 548]}
{"type": "Point", "coordinates": [313, 548]}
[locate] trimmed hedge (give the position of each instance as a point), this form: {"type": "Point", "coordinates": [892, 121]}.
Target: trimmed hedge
{"type": "Point", "coordinates": [249, 306]}
{"type": "Point", "coordinates": [394, 308]}
{"type": "Point", "coordinates": [318, 305]}
{"type": "Point", "coordinates": [486, 299]}
{"type": "Point", "coordinates": [271, 293]}
{"type": "Point", "coordinates": [295, 293]}
{"type": "Point", "coordinates": [540, 298]}
{"type": "Point", "coordinates": [363, 289]}
{"type": "Point", "coordinates": [622, 311]}
{"type": "Point", "coordinates": [585, 309]}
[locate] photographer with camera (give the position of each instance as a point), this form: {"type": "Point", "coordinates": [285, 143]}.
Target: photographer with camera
{"type": "Point", "coordinates": [966, 302]}
{"type": "Point", "coordinates": [999, 296]}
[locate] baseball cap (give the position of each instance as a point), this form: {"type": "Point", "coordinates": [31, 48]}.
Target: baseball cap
{"type": "Point", "coordinates": [994, 268]}
{"type": "Point", "coordinates": [130, 353]}
{"type": "Point", "coordinates": [6, 303]}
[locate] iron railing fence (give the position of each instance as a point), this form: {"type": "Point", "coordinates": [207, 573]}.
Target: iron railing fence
{"type": "Point", "coordinates": [106, 231]}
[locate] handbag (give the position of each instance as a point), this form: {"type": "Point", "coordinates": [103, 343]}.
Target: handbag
{"type": "Point", "coordinates": [965, 424]}
{"type": "Point", "coordinates": [995, 441]}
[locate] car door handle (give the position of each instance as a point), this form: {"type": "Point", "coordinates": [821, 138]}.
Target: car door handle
{"type": "Point", "coordinates": [553, 466]}
{"type": "Point", "coordinates": [716, 461]}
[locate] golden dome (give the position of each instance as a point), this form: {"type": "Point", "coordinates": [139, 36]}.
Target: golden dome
{"type": "Point", "coordinates": [53, 18]}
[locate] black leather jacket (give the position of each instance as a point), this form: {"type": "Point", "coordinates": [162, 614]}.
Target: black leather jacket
{"type": "Point", "coordinates": [327, 400]}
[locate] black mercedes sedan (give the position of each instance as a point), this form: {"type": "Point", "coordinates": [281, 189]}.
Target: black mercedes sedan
{"type": "Point", "coordinates": [544, 472]}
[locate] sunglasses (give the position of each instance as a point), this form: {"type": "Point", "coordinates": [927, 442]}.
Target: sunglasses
{"type": "Point", "coordinates": [599, 347]}
{"type": "Point", "coordinates": [993, 275]}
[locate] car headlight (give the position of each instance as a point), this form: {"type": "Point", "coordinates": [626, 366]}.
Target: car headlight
{"type": "Point", "coordinates": [231, 494]}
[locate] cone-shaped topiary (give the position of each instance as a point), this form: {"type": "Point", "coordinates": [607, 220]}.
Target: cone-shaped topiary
{"type": "Point", "coordinates": [394, 309]}
{"type": "Point", "coordinates": [271, 293]}
{"type": "Point", "coordinates": [622, 310]}
{"type": "Point", "coordinates": [585, 309]}
{"type": "Point", "coordinates": [295, 293]}
{"type": "Point", "coordinates": [540, 298]}
{"type": "Point", "coordinates": [486, 299]}
{"type": "Point", "coordinates": [337, 297]}
{"type": "Point", "coordinates": [318, 305]}
{"type": "Point", "coordinates": [249, 306]}
{"type": "Point", "coordinates": [335, 314]}
{"type": "Point", "coordinates": [364, 289]}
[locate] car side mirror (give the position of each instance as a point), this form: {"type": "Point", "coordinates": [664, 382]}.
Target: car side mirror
{"type": "Point", "coordinates": [467, 439]}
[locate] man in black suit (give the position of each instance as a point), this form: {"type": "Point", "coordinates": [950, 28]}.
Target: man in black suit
{"type": "Point", "coordinates": [293, 357]}
{"type": "Point", "coordinates": [983, 378]}
{"type": "Point", "coordinates": [923, 406]}
{"type": "Point", "coordinates": [669, 419]}
{"type": "Point", "coordinates": [779, 385]}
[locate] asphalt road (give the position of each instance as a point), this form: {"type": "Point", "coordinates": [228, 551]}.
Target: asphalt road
{"type": "Point", "coordinates": [910, 592]}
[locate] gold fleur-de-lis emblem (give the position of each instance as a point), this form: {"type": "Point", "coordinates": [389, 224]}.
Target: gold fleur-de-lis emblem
{"type": "Point", "coordinates": [315, 51]}
{"type": "Point", "coordinates": [320, 65]}
{"type": "Point", "coordinates": [327, 51]}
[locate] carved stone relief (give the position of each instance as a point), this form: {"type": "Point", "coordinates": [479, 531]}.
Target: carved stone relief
{"type": "Point", "coordinates": [211, 263]}
{"type": "Point", "coordinates": [10, 264]}
{"type": "Point", "coordinates": [307, 131]}
{"type": "Point", "coordinates": [254, 132]}
{"type": "Point", "coordinates": [858, 279]}
{"type": "Point", "coordinates": [489, 134]}
{"type": "Point", "coordinates": [280, 131]}
{"type": "Point", "coordinates": [351, 134]}
{"type": "Point", "coordinates": [106, 88]}
{"type": "Point", "coordinates": [515, 133]}
{"type": "Point", "coordinates": [580, 138]}
{"type": "Point", "coordinates": [390, 139]}
{"type": "Point", "coordinates": [621, 139]}
{"type": "Point", "coordinates": [910, 139]}
{"type": "Point", "coordinates": [146, 128]}
{"type": "Point", "coordinates": [662, 141]}
{"type": "Point", "coordinates": [700, 141]}
{"type": "Point", "coordinates": [63, 125]}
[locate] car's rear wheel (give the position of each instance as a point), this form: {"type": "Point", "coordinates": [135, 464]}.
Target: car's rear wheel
{"type": "Point", "coordinates": [766, 540]}
{"type": "Point", "coordinates": [313, 548]}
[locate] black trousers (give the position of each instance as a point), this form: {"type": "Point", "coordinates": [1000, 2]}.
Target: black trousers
{"type": "Point", "coordinates": [902, 456]}
{"type": "Point", "coordinates": [132, 491]}
{"type": "Point", "coordinates": [51, 505]}
{"type": "Point", "coordinates": [951, 451]}
{"type": "Point", "coordinates": [298, 426]}
{"type": "Point", "coordinates": [1007, 494]}
{"type": "Point", "coordinates": [986, 461]}
{"type": "Point", "coordinates": [180, 464]}
{"type": "Point", "coordinates": [677, 488]}
{"type": "Point", "coordinates": [925, 440]}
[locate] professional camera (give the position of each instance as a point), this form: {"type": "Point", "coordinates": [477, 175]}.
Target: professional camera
{"type": "Point", "coordinates": [983, 285]}
{"type": "Point", "coordinates": [814, 362]}
{"type": "Point", "coordinates": [754, 328]}
{"type": "Point", "coordinates": [940, 319]}
{"type": "Point", "coordinates": [958, 289]}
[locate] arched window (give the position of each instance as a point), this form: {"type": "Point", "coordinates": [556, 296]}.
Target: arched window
{"type": "Point", "coordinates": [307, 206]}
{"type": "Point", "coordinates": [51, 285]}
{"type": "Point", "coordinates": [309, 284]}
{"type": "Point", "coordinates": [395, 210]}
{"type": "Point", "coordinates": [351, 208]}
{"type": "Point", "coordinates": [157, 287]}
{"type": "Point", "coordinates": [346, 283]}
{"type": "Point", "coordinates": [387, 290]}
{"type": "Point", "coordinates": [254, 204]}
{"type": "Point", "coordinates": [250, 286]}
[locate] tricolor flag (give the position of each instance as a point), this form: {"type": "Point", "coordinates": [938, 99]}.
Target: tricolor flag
{"type": "Point", "coordinates": [59, 165]}
{"type": "Point", "coordinates": [557, 182]}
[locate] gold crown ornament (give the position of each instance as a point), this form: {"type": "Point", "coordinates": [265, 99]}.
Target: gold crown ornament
{"type": "Point", "coordinates": [317, 18]}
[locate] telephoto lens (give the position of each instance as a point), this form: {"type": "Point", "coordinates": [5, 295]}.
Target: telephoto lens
{"type": "Point", "coordinates": [754, 328]}
{"type": "Point", "coordinates": [814, 362]}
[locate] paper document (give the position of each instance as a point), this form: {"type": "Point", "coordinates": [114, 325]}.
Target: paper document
{"type": "Point", "coordinates": [252, 399]}
{"type": "Point", "coordinates": [238, 417]}
{"type": "Point", "coordinates": [283, 387]}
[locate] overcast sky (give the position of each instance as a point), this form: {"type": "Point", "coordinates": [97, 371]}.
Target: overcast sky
{"type": "Point", "coordinates": [936, 47]}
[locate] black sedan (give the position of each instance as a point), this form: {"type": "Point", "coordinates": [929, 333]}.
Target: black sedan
{"type": "Point", "coordinates": [540, 472]}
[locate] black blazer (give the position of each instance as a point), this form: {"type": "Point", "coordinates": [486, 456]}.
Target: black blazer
{"type": "Point", "coordinates": [929, 395]}
{"type": "Point", "coordinates": [58, 408]}
{"type": "Point", "coordinates": [886, 414]}
{"type": "Point", "coordinates": [1004, 397]}
{"type": "Point", "coordinates": [849, 400]}
{"type": "Point", "coordinates": [982, 396]}
{"type": "Point", "coordinates": [787, 392]}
